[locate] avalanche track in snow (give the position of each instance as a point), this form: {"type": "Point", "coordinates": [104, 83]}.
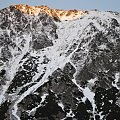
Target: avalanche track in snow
{"type": "Point", "coordinates": [57, 56]}
{"type": "Point", "coordinates": [59, 70]}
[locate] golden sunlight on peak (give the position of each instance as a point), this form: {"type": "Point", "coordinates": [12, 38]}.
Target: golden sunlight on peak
{"type": "Point", "coordinates": [55, 13]}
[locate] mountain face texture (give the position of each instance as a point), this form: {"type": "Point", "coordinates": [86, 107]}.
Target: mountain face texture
{"type": "Point", "coordinates": [59, 70]}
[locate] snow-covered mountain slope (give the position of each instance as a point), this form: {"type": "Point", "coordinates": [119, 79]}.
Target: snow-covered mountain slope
{"type": "Point", "coordinates": [68, 70]}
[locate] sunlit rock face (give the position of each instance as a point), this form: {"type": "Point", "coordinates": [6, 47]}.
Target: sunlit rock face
{"type": "Point", "coordinates": [65, 70]}
{"type": "Point", "coordinates": [55, 13]}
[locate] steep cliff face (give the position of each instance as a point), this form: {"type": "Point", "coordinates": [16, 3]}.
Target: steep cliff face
{"type": "Point", "coordinates": [59, 70]}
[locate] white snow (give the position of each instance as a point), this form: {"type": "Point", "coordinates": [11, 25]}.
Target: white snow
{"type": "Point", "coordinates": [102, 47]}
{"type": "Point", "coordinates": [34, 109]}
{"type": "Point", "coordinates": [101, 116]}
{"type": "Point", "coordinates": [2, 99]}
{"type": "Point", "coordinates": [117, 77]}
{"type": "Point", "coordinates": [69, 32]}
{"type": "Point", "coordinates": [92, 81]}
{"type": "Point", "coordinates": [12, 67]}
{"type": "Point", "coordinates": [70, 114]}
{"type": "Point", "coordinates": [57, 60]}
{"type": "Point", "coordinates": [14, 113]}
{"type": "Point", "coordinates": [90, 95]}
{"type": "Point", "coordinates": [61, 105]}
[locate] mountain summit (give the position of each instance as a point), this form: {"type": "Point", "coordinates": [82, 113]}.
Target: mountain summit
{"type": "Point", "coordinates": [66, 70]}
{"type": "Point", "coordinates": [55, 13]}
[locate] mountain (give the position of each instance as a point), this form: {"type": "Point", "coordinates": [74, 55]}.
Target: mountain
{"type": "Point", "coordinates": [56, 14]}
{"type": "Point", "coordinates": [59, 69]}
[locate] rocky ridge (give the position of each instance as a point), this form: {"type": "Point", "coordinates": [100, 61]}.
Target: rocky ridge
{"type": "Point", "coordinates": [55, 13]}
